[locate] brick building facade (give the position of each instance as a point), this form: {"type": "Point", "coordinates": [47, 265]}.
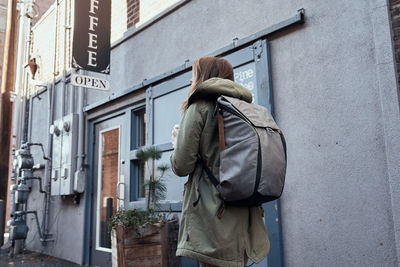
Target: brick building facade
{"type": "Point", "coordinates": [3, 22]}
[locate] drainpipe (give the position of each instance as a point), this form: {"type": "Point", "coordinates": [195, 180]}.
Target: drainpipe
{"type": "Point", "coordinates": [51, 99]}
{"type": "Point", "coordinates": [79, 181]}
{"type": "Point", "coordinates": [30, 119]}
{"type": "Point", "coordinates": [62, 106]}
{"type": "Point", "coordinates": [47, 179]}
{"type": "Point", "coordinates": [17, 118]}
{"type": "Point", "coordinates": [22, 79]}
{"type": "Point", "coordinates": [72, 99]}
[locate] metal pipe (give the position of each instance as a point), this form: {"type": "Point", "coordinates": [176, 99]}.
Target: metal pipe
{"type": "Point", "coordinates": [72, 99]}
{"type": "Point", "coordinates": [30, 120]}
{"type": "Point", "coordinates": [40, 183]}
{"type": "Point", "coordinates": [55, 72]}
{"type": "Point", "coordinates": [49, 138]}
{"type": "Point", "coordinates": [13, 188]}
{"type": "Point", "coordinates": [62, 106]}
{"type": "Point", "coordinates": [22, 80]}
{"type": "Point", "coordinates": [65, 35]}
{"type": "Point", "coordinates": [47, 179]}
{"type": "Point", "coordinates": [80, 155]}
{"type": "Point", "coordinates": [17, 112]}
{"type": "Point", "coordinates": [23, 139]}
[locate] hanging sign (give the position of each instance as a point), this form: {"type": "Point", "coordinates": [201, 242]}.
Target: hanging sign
{"type": "Point", "coordinates": [89, 82]}
{"type": "Point", "coordinates": [91, 45]}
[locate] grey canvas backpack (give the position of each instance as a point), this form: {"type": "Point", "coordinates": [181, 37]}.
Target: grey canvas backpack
{"type": "Point", "coordinates": [252, 154]}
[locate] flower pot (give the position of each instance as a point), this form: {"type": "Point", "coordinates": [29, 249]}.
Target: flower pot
{"type": "Point", "coordinates": [150, 245]}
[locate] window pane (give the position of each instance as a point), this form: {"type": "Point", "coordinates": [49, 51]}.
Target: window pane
{"type": "Point", "coordinates": [107, 201]}
{"type": "Point", "coordinates": [138, 180]}
{"type": "Point", "coordinates": [246, 76]}
{"type": "Point", "coordinates": [141, 179]}
{"type": "Point", "coordinates": [138, 128]}
{"type": "Point", "coordinates": [138, 139]}
{"type": "Point", "coordinates": [167, 113]}
{"type": "Point", "coordinates": [141, 115]}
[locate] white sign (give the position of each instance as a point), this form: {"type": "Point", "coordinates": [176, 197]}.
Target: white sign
{"type": "Point", "coordinates": [89, 82]}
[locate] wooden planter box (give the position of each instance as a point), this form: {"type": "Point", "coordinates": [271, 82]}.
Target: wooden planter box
{"type": "Point", "coordinates": [153, 245]}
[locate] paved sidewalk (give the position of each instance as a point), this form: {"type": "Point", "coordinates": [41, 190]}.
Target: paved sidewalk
{"type": "Point", "coordinates": [32, 259]}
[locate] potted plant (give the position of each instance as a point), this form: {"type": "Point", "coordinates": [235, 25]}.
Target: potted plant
{"type": "Point", "coordinates": [144, 237]}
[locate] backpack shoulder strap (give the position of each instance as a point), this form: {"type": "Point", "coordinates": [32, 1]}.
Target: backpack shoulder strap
{"type": "Point", "coordinates": [210, 175]}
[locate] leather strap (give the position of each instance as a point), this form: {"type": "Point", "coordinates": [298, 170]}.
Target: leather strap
{"type": "Point", "coordinates": [221, 132]}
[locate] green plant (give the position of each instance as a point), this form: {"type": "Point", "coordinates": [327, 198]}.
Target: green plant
{"type": "Point", "coordinates": [135, 219]}
{"type": "Point", "coordinates": [155, 186]}
{"type": "Point", "coordinates": [155, 191]}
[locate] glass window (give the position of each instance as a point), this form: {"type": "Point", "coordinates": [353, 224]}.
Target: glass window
{"type": "Point", "coordinates": [138, 167]}
{"type": "Point", "coordinates": [107, 187]}
{"type": "Point", "coordinates": [138, 127]}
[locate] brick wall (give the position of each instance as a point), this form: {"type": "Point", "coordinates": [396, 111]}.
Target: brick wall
{"type": "Point", "coordinates": [133, 14]}
{"type": "Point", "coordinates": [129, 13]}
{"type": "Point", "coordinates": [395, 14]}
{"type": "Point", "coordinates": [3, 22]}
{"type": "Point", "coordinates": [140, 12]}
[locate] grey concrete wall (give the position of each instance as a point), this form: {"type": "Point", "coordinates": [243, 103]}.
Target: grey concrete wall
{"type": "Point", "coordinates": [336, 100]}
{"type": "Point", "coordinates": [337, 208]}
{"type": "Point", "coordinates": [66, 223]}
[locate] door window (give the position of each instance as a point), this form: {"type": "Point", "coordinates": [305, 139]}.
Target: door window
{"type": "Point", "coordinates": [107, 184]}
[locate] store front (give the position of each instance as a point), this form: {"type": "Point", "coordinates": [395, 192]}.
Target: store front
{"type": "Point", "coordinates": [144, 116]}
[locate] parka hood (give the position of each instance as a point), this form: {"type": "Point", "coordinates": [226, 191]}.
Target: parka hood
{"type": "Point", "coordinates": [216, 86]}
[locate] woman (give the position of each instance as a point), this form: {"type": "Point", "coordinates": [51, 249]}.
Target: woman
{"type": "Point", "coordinates": [240, 233]}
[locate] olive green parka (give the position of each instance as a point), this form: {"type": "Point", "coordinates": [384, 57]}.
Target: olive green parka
{"type": "Point", "coordinates": [202, 235]}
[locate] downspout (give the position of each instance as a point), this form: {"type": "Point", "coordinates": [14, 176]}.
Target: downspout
{"type": "Point", "coordinates": [51, 99]}
{"type": "Point", "coordinates": [72, 99]}
{"type": "Point", "coordinates": [64, 69]}
{"type": "Point", "coordinates": [17, 118]}
{"type": "Point", "coordinates": [25, 77]}
{"type": "Point", "coordinates": [47, 179]}
{"type": "Point", "coordinates": [79, 181]}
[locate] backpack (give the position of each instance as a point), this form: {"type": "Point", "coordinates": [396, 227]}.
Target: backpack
{"type": "Point", "coordinates": [252, 154]}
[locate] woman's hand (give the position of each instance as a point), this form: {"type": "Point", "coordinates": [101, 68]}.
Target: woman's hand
{"type": "Point", "coordinates": [174, 136]}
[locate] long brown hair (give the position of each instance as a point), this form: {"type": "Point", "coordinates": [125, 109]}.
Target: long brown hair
{"type": "Point", "coordinates": [205, 68]}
